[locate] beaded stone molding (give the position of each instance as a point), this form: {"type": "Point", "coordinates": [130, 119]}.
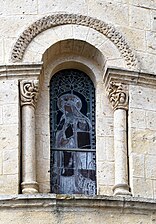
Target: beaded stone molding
{"type": "Point", "coordinates": [48, 22]}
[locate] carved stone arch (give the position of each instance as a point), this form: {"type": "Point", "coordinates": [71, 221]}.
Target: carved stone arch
{"type": "Point", "coordinates": [51, 21]}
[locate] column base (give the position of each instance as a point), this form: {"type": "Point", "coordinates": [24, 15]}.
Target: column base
{"type": "Point", "coordinates": [121, 190]}
{"type": "Point", "coordinates": [29, 188]}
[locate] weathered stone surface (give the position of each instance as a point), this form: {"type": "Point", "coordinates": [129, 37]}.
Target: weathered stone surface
{"type": "Point", "coordinates": [151, 42]}
{"type": "Point", "coordinates": [66, 209]}
{"type": "Point", "coordinates": [142, 98]}
{"type": "Point", "coordinates": [145, 4]}
{"type": "Point", "coordinates": [137, 118]}
{"type": "Point", "coordinates": [19, 8]}
{"type": "Point", "coordinates": [153, 20]}
{"type": "Point", "coordinates": [142, 141]}
{"type": "Point", "coordinates": [142, 187]}
{"type": "Point", "coordinates": [105, 173]}
{"type": "Point", "coordinates": [137, 162]}
{"type": "Point", "coordinates": [140, 18]}
{"type": "Point", "coordinates": [147, 62]}
{"type": "Point", "coordinates": [112, 12]}
{"type": "Point", "coordinates": [67, 34]}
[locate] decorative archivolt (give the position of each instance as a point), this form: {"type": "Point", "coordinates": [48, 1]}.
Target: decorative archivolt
{"type": "Point", "coordinates": [62, 19]}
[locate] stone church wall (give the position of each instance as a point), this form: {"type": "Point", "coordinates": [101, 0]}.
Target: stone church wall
{"type": "Point", "coordinates": [112, 41]}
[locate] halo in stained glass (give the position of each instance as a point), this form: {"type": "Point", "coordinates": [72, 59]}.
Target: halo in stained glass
{"type": "Point", "coordinates": [72, 128]}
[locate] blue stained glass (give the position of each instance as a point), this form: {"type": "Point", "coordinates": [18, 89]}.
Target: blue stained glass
{"type": "Point", "coordinates": [72, 121]}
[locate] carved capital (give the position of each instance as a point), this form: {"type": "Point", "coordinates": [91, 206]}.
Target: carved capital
{"type": "Point", "coordinates": [29, 92]}
{"type": "Point", "coordinates": [118, 95]}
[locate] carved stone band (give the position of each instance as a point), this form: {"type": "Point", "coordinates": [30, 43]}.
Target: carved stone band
{"type": "Point", "coordinates": [118, 95]}
{"type": "Point", "coordinates": [29, 92]}
{"type": "Point", "coordinates": [51, 21]}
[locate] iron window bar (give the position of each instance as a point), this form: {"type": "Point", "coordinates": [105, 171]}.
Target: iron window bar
{"type": "Point", "coordinates": [74, 149]}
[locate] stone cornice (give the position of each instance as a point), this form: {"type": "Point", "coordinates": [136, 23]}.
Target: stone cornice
{"type": "Point", "coordinates": [129, 77]}
{"type": "Point", "coordinates": [51, 21]}
{"type": "Point", "coordinates": [20, 71]}
{"type": "Point", "coordinates": [73, 202]}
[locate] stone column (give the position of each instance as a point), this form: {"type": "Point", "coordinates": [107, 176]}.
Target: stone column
{"type": "Point", "coordinates": [29, 92]}
{"type": "Point", "coordinates": [118, 96]}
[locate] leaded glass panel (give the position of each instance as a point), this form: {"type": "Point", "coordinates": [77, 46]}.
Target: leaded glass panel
{"type": "Point", "coordinates": [72, 122]}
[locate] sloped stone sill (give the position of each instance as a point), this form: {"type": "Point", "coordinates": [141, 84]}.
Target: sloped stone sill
{"type": "Point", "coordinates": [68, 202]}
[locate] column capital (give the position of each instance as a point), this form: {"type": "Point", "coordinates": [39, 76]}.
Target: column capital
{"type": "Point", "coordinates": [29, 92]}
{"type": "Point", "coordinates": [118, 95]}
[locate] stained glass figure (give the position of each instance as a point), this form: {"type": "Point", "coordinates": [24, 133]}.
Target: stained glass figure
{"type": "Point", "coordinates": [72, 116]}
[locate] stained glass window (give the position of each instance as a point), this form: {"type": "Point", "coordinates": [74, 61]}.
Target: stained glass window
{"type": "Point", "coordinates": [72, 130]}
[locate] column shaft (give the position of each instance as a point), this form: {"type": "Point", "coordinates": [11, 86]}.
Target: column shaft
{"type": "Point", "coordinates": [118, 96]}
{"type": "Point", "coordinates": [120, 150]}
{"type": "Point", "coordinates": [28, 143]}
{"type": "Point", "coordinates": [29, 92]}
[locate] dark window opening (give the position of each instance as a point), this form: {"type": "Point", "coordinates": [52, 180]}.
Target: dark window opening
{"type": "Point", "coordinates": [72, 131]}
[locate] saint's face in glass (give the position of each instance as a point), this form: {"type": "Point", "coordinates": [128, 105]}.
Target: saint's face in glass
{"type": "Point", "coordinates": [74, 127]}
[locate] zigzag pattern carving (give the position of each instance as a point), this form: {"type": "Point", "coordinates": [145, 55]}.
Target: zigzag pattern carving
{"type": "Point", "coordinates": [48, 22]}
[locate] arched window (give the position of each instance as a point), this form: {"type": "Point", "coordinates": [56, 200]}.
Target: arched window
{"type": "Point", "coordinates": [72, 130]}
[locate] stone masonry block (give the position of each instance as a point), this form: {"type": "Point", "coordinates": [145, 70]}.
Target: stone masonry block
{"type": "Point", "coordinates": [104, 126]}
{"type": "Point", "coordinates": [18, 7]}
{"type": "Point", "coordinates": [46, 147]}
{"type": "Point", "coordinates": [64, 32]}
{"type": "Point", "coordinates": [111, 13]}
{"type": "Point", "coordinates": [137, 165]}
{"type": "Point", "coordinates": [47, 38]}
{"type": "Point", "coordinates": [151, 42]}
{"type": "Point", "coordinates": [145, 4]}
{"type": "Point", "coordinates": [140, 18]}
{"type": "Point", "coordinates": [153, 20]}
{"type": "Point", "coordinates": [135, 37]}
{"type": "Point", "coordinates": [9, 137]}
{"type": "Point", "coordinates": [105, 190]}
{"type": "Point", "coordinates": [151, 120]}
{"type": "Point", "coordinates": [119, 62]}
{"type": "Point", "coordinates": [137, 118]}
{"type": "Point", "coordinates": [142, 188]}
{"type": "Point", "coordinates": [8, 45]}
{"type": "Point", "coordinates": [9, 92]}
{"type": "Point", "coordinates": [9, 184]}
{"type": "Point", "coordinates": [1, 162]}
{"type": "Point", "coordinates": [154, 188]}
{"type": "Point", "coordinates": [95, 38]}
{"type": "Point", "coordinates": [14, 25]}
{"type": "Point", "coordinates": [1, 115]}
{"type": "Point", "coordinates": [68, 6]}
{"type": "Point", "coordinates": [10, 161]}
{"type": "Point", "coordinates": [10, 114]}
{"type": "Point", "coordinates": [142, 141]}
{"type": "Point", "coordinates": [109, 50]}
{"type": "Point", "coordinates": [44, 187]}
{"type": "Point", "coordinates": [147, 62]}
{"type": "Point", "coordinates": [80, 35]}
{"type": "Point", "coordinates": [109, 142]}
{"type": "Point", "coordinates": [142, 98]}
{"type": "Point", "coordinates": [150, 167]}
{"type": "Point", "coordinates": [1, 50]}
{"type": "Point", "coordinates": [105, 173]}
{"type": "Point", "coordinates": [101, 148]}
{"type": "Point", "coordinates": [43, 167]}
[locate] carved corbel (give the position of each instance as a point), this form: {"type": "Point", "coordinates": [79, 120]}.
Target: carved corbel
{"type": "Point", "coordinates": [118, 95]}
{"type": "Point", "coordinates": [29, 92]}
